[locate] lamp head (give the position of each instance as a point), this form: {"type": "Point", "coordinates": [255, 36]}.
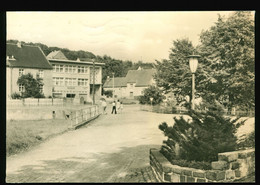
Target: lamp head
{"type": "Point", "coordinates": [193, 61]}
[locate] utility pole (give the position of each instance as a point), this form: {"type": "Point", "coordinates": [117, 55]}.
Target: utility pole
{"type": "Point", "coordinates": [93, 87]}
{"type": "Point", "coordinates": [113, 85]}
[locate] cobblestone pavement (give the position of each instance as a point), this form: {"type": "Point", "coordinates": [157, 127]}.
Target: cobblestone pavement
{"type": "Point", "coordinates": [138, 175]}
{"type": "Point", "coordinates": [112, 148]}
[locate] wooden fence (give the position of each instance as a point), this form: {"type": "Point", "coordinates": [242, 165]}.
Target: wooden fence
{"type": "Point", "coordinates": [183, 110]}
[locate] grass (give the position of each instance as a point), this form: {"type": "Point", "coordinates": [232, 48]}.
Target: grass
{"type": "Point", "coordinates": [22, 135]}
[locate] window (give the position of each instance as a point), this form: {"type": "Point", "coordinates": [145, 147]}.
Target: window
{"type": "Point", "coordinates": [21, 72]}
{"type": "Point", "coordinates": [61, 68]}
{"type": "Point", "coordinates": [53, 67]}
{"type": "Point", "coordinates": [57, 68]}
{"type": "Point", "coordinates": [131, 85]}
{"type": "Point", "coordinates": [70, 68]}
{"type": "Point", "coordinates": [21, 88]}
{"type": "Point", "coordinates": [70, 82]}
{"type": "Point", "coordinates": [82, 82]}
{"type": "Point", "coordinates": [57, 81]}
{"type": "Point", "coordinates": [41, 73]}
{"type": "Point", "coordinates": [96, 74]}
{"type": "Point", "coordinates": [74, 70]}
{"type": "Point", "coordinates": [82, 69]}
{"type": "Point", "coordinates": [41, 88]}
{"type": "Point", "coordinates": [66, 69]}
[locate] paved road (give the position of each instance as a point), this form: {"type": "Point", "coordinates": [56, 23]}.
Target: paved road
{"type": "Point", "coordinates": [108, 149]}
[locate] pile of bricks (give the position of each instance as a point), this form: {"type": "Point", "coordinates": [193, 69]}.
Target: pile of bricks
{"type": "Point", "coordinates": [229, 167]}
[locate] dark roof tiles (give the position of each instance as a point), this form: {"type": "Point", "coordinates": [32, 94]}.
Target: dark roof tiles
{"type": "Point", "coordinates": [141, 78]}
{"type": "Point", "coordinates": [26, 56]}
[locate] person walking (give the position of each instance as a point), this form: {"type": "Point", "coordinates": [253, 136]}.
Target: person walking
{"type": "Point", "coordinates": [104, 106]}
{"type": "Point", "coordinates": [113, 107]}
{"type": "Point", "coordinates": [118, 106]}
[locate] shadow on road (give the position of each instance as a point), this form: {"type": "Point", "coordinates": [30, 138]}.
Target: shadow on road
{"type": "Point", "coordinates": [127, 165]}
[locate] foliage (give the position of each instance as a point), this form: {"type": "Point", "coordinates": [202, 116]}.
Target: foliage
{"type": "Point", "coordinates": [227, 52]}
{"type": "Point", "coordinates": [192, 164]}
{"type": "Point", "coordinates": [208, 134]}
{"type": "Point", "coordinates": [15, 95]}
{"type": "Point", "coordinates": [226, 68]}
{"type": "Point", "coordinates": [173, 74]}
{"type": "Point", "coordinates": [248, 142]}
{"type": "Point", "coordinates": [108, 93]}
{"type": "Point", "coordinates": [31, 85]}
{"type": "Point", "coordinates": [151, 92]}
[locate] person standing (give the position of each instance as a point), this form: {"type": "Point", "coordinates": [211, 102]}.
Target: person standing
{"type": "Point", "coordinates": [104, 106]}
{"type": "Point", "coordinates": [113, 107]}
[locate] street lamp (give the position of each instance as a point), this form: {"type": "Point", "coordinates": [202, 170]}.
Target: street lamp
{"type": "Point", "coordinates": [113, 85]}
{"type": "Point", "coordinates": [193, 61]}
{"type": "Point", "coordinates": [151, 99]}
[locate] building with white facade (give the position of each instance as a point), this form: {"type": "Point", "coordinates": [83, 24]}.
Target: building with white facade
{"type": "Point", "coordinates": [74, 78]}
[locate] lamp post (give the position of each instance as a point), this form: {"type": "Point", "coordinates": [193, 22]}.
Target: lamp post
{"type": "Point", "coordinates": [113, 85]}
{"type": "Point", "coordinates": [151, 99]}
{"type": "Point", "coordinates": [193, 62]}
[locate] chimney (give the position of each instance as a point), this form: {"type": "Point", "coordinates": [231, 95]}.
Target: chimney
{"type": "Point", "coordinates": [19, 44]}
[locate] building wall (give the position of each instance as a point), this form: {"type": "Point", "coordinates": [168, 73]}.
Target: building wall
{"type": "Point", "coordinates": [12, 75]}
{"type": "Point", "coordinates": [81, 92]}
{"type": "Point", "coordinates": [124, 92]}
{"type": "Point", "coordinates": [136, 91]}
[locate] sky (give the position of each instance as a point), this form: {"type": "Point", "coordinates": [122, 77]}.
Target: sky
{"type": "Point", "coordinates": [134, 36]}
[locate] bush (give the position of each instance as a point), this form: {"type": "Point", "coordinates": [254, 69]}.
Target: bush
{"type": "Point", "coordinates": [108, 93]}
{"type": "Point", "coordinates": [151, 92]}
{"type": "Point", "coordinates": [15, 96]}
{"type": "Point", "coordinates": [208, 134]}
{"type": "Point", "coordinates": [192, 164]}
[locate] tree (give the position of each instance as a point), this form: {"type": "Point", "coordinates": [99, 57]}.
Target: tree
{"type": "Point", "coordinates": [174, 75]}
{"type": "Point", "coordinates": [31, 85]}
{"type": "Point", "coordinates": [227, 50]}
{"type": "Point", "coordinates": [151, 92]}
{"type": "Point", "coordinates": [201, 139]}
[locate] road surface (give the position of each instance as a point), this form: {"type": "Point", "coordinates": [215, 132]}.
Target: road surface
{"type": "Point", "coordinates": [107, 149]}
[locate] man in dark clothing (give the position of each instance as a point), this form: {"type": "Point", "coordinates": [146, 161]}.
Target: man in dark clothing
{"type": "Point", "coordinates": [113, 107]}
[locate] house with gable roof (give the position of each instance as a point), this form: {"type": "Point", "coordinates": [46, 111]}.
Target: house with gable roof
{"type": "Point", "coordinates": [133, 85]}
{"type": "Point", "coordinates": [23, 59]}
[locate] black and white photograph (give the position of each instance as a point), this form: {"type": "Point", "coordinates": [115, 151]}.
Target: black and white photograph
{"type": "Point", "coordinates": [130, 96]}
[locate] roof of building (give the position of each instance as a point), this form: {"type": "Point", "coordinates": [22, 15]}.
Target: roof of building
{"type": "Point", "coordinates": [118, 82]}
{"type": "Point", "coordinates": [141, 78]}
{"type": "Point", "coordinates": [76, 62]}
{"type": "Point", "coordinates": [56, 55]}
{"type": "Point", "coordinates": [26, 57]}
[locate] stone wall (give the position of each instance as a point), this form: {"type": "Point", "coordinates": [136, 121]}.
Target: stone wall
{"type": "Point", "coordinates": [229, 167]}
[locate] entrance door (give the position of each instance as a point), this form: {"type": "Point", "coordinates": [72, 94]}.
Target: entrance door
{"type": "Point", "coordinates": [81, 100]}
{"type": "Point", "coordinates": [131, 94]}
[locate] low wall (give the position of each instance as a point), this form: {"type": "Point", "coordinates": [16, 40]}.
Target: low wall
{"type": "Point", "coordinates": [76, 116]}
{"type": "Point", "coordinates": [229, 167]}
{"type": "Point", "coordinates": [34, 102]}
